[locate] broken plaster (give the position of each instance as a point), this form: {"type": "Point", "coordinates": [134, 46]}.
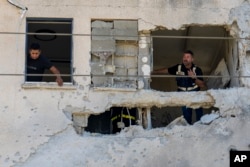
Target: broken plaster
{"type": "Point", "coordinates": [103, 56]}
{"type": "Point", "coordinates": [150, 98]}
{"type": "Point", "coordinates": [137, 99]}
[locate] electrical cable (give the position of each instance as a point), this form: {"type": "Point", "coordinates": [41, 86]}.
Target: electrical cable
{"type": "Point", "coordinates": [16, 4]}
{"type": "Point", "coordinates": [129, 116]}
{"type": "Point", "coordinates": [125, 76]}
{"type": "Point", "coordinates": [152, 36]}
{"type": "Point", "coordinates": [122, 117]}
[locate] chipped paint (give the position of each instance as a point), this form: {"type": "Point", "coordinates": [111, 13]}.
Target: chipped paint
{"type": "Point", "coordinates": [32, 114]}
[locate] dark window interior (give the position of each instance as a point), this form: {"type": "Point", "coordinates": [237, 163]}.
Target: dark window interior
{"type": "Point", "coordinates": [55, 45]}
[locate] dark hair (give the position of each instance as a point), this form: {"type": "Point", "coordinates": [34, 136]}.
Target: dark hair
{"type": "Point", "coordinates": [35, 46]}
{"type": "Point", "coordinates": [189, 52]}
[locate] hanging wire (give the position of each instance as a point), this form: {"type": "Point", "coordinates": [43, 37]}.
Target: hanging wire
{"type": "Point", "coordinates": [113, 76]}
{"type": "Point", "coordinates": [125, 76]}
{"type": "Point", "coordinates": [153, 36]}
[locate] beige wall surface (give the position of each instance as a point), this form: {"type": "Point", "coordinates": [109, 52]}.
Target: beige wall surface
{"type": "Point", "coordinates": [37, 111]}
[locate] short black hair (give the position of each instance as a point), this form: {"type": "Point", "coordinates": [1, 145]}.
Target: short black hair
{"type": "Point", "coordinates": [35, 46]}
{"type": "Point", "coordinates": [189, 52]}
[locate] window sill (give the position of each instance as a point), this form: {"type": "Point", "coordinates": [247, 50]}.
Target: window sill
{"type": "Point", "coordinates": [114, 89]}
{"type": "Point", "coordinates": [48, 85]}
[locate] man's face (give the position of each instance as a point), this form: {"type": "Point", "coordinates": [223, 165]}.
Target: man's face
{"type": "Point", "coordinates": [34, 54]}
{"type": "Point", "coordinates": [187, 59]}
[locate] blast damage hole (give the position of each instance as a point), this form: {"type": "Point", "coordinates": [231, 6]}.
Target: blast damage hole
{"type": "Point", "coordinates": [112, 121]}
{"type": "Point", "coordinates": [161, 117]}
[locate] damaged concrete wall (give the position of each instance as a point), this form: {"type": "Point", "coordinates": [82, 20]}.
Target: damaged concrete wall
{"type": "Point", "coordinates": [114, 49]}
{"type": "Point", "coordinates": [239, 16]}
{"type": "Point", "coordinates": [32, 114]}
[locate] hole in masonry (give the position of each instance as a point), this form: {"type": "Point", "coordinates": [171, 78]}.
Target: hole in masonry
{"type": "Point", "coordinates": [112, 121]}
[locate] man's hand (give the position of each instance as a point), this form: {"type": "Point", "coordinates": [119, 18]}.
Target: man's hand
{"type": "Point", "coordinates": [199, 82]}
{"type": "Point", "coordinates": [55, 71]}
{"type": "Point", "coordinates": [191, 74]}
{"type": "Point", "coordinates": [59, 81]}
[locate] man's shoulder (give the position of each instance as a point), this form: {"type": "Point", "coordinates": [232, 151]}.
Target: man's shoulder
{"type": "Point", "coordinates": [197, 67]}
{"type": "Point", "coordinates": [42, 57]}
{"type": "Point", "coordinates": [175, 66]}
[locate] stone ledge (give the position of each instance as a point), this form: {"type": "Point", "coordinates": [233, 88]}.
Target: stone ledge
{"type": "Point", "coordinates": [48, 85]}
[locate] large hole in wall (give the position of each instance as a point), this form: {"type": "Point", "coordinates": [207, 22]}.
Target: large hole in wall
{"type": "Point", "coordinates": [214, 53]}
{"type": "Point", "coordinates": [161, 117]}
{"type": "Point", "coordinates": [113, 120]}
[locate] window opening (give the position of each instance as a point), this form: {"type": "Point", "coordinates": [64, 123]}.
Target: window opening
{"type": "Point", "coordinates": [211, 55]}
{"type": "Point", "coordinates": [55, 46]}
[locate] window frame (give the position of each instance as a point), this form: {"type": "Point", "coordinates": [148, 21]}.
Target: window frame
{"type": "Point", "coordinates": [40, 20]}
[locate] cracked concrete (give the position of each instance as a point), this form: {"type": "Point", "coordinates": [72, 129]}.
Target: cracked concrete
{"type": "Point", "coordinates": [33, 114]}
{"type": "Point", "coordinates": [141, 99]}
{"type": "Point", "coordinates": [150, 98]}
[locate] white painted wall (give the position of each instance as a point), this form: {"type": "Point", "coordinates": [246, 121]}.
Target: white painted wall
{"type": "Point", "coordinates": [29, 117]}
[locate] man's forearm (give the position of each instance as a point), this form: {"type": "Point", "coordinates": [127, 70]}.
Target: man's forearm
{"type": "Point", "coordinates": [56, 72]}
{"type": "Point", "coordinates": [200, 83]}
{"type": "Point", "coordinates": [160, 71]}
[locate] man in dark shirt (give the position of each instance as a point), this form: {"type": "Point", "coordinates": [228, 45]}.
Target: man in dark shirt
{"type": "Point", "coordinates": [37, 63]}
{"type": "Point", "coordinates": [190, 83]}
